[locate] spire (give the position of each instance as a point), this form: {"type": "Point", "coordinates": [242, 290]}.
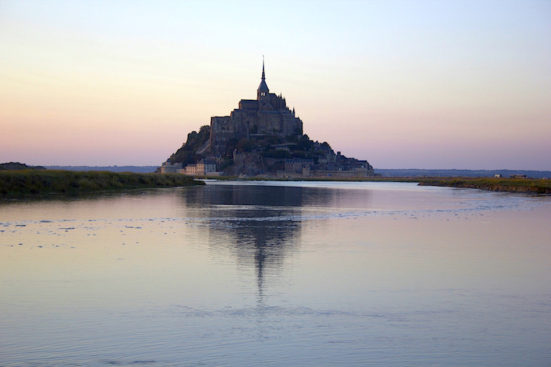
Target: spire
{"type": "Point", "coordinates": [262, 90]}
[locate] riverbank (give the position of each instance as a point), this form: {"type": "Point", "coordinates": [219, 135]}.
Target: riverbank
{"type": "Point", "coordinates": [522, 185]}
{"type": "Point", "coordinates": [519, 185]}
{"type": "Point", "coordinates": [21, 183]}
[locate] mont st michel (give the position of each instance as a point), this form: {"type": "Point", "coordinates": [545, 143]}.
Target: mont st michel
{"type": "Point", "coordinates": [398, 217]}
{"type": "Point", "coordinates": [262, 137]}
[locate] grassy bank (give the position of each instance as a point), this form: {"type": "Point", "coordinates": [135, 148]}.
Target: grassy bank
{"type": "Point", "coordinates": [19, 183]}
{"type": "Point", "coordinates": [525, 185]}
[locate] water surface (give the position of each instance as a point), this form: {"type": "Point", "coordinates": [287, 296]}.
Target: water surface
{"type": "Point", "coordinates": [277, 274]}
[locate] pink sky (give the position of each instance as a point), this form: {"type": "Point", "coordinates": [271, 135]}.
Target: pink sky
{"type": "Point", "coordinates": [403, 85]}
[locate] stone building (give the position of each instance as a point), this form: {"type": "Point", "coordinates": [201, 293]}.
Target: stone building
{"type": "Point", "coordinates": [262, 137]}
{"type": "Point", "coordinates": [268, 114]}
{"type": "Point", "coordinates": [168, 167]}
{"type": "Point", "coordinates": [205, 167]}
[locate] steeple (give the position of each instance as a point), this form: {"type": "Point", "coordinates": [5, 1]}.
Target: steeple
{"type": "Point", "coordinates": [262, 90]}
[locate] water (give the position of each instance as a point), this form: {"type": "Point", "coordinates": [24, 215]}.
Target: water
{"type": "Point", "coordinates": [277, 274]}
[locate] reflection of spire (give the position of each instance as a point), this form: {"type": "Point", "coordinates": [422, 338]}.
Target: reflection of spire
{"type": "Point", "coordinates": [259, 245]}
{"type": "Point", "coordinates": [259, 258]}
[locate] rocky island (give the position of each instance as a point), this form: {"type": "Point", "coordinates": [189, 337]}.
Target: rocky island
{"type": "Point", "coordinates": [262, 137]}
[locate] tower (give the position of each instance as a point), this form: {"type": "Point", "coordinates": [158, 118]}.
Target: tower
{"type": "Point", "coordinates": [262, 91]}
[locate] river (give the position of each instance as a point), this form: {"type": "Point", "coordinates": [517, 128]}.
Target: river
{"type": "Point", "coordinates": [277, 274]}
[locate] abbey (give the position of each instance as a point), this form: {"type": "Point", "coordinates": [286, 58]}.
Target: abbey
{"type": "Point", "coordinates": [262, 137]}
{"type": "Point", "coordinates": [267, 115]}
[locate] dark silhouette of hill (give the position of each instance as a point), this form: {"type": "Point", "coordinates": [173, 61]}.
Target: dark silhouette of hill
{"type": "Point", "coordinates": [17, 166]}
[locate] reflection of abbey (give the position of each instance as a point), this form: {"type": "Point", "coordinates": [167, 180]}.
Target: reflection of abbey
{"type": "Point", "coordinates": [262, 137]}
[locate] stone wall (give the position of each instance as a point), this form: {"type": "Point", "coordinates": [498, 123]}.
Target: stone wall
{"type": "Point", "coordinates": [269, 116]}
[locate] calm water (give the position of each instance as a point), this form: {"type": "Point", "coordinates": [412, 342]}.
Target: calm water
{"type": "Point", "coordinates": [277, 274]}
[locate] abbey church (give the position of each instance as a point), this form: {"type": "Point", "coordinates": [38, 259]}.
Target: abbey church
{"type": "Point", "coordinates": [264, 116]}
{"type": "Point", "coordinates": [262, 137]}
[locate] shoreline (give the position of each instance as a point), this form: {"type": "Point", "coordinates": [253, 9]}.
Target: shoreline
{"type": "Point", "coordinates": [537, 186]}
{"type": "Point", "coordinates": [38, 183]}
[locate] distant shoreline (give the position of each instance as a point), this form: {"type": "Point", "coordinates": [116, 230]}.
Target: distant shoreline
{"type": "Point", "coordinates": [33, 183]}
{"type": "Point", "coordinates": [127, 168]}
{"type": "Point", "coordinates": [385, 172]}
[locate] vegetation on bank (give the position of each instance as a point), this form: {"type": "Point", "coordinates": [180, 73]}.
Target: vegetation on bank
{"type": "Point", "coordinates": [525, 185]}
{"type": "Point", "coordinates": [18, 183]}
{"type": "Point", "coordinates": [22, 183]}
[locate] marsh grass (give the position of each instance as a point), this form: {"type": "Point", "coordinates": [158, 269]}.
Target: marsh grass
{"type": "Point", "coordinates": [526, 185]}
{"type": "Point", "coordinates": [15, 183]}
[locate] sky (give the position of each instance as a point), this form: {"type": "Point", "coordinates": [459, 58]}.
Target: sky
{"type": "Point", "coordinates": [403, 84]}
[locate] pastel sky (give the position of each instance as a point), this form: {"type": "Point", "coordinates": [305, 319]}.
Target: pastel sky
{"type": "Point", "coordinates": [403, 84]}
